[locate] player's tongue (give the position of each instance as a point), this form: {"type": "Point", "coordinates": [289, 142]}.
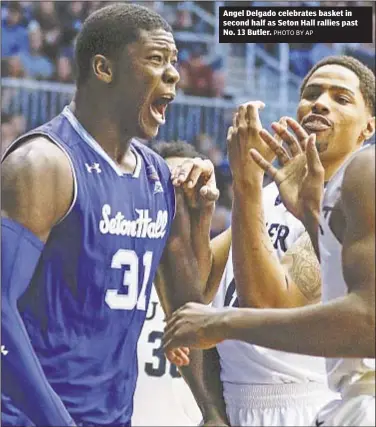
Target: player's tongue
{"type": "Point", "coordinates": [159, 108]}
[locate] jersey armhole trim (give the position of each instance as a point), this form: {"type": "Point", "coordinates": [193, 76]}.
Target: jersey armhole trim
{"type": "Point", "coordinates": [75, 182]}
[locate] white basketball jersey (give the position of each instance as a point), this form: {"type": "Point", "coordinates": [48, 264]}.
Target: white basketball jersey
{"type": "Point", "coordinates": [244, 363]}
{"type": "Point", "coordinates": [162, 397]}
{"type": "Point", "coordinates": [342, 373]}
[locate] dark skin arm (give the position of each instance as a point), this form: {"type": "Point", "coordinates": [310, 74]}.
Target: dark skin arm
{"type": "Point", "coordinates": [37, 189]}
{"type": "Point", "coordinates": [177, 282]}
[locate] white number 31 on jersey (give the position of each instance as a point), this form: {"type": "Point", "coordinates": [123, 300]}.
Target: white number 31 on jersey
{"type": "Point", "coordinates": [116, 301]}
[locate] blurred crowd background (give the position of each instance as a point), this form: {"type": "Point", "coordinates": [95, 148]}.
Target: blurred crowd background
{"type": "Point", "coordinates": [37, 42]}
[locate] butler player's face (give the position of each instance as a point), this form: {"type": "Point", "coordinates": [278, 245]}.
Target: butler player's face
{"type": "Point", "coordinates": [332, 106]}
{"type": "Point", "coordinates": [148, 82]}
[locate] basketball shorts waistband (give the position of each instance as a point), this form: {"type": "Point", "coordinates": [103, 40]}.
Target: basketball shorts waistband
{"type": "Point", "coordinates": [275, 395]}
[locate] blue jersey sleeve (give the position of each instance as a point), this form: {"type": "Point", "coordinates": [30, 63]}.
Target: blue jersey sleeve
{"type": "Point", "coordinates": [22, 376]}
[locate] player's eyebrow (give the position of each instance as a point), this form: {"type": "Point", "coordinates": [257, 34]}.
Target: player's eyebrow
{"type": "Point", "coordinates": [335, 87]}
{"type": "Point", "coordinates": [163, 48]}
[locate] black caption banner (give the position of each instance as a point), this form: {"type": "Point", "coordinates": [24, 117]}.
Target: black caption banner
{"type": "Point", "coordinates": [238, 24]}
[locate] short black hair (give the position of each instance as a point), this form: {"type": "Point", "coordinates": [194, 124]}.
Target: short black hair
{"type": "Point", "coordinates": [109, 29]}
{"type": "Point", "coordinates": [365, 75]}
{"type": "Point", "coordinates": [176, 149]}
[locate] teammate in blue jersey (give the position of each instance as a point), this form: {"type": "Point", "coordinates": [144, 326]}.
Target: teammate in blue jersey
{"type": "Point", "coordinates": [87, 218]}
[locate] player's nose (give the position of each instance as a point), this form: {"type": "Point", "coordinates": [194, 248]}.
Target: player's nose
{"type": "Point", "coordinates": [171, 75]}
{"type": "Point", "coordinates": [321, 104]}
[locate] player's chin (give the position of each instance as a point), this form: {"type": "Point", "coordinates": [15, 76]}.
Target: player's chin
{"type": "Point", "coordinates": [148, 131]}
{"type": "Point", "coordinates": [322, 147]}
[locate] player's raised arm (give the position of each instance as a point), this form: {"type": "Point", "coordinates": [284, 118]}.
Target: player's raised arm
{"type": "Point", "coordinates": [195, 178]}
{"type": "Point", "coordinates": [37, 190]}
{"type": "Point", "coordinates": [261, 279]}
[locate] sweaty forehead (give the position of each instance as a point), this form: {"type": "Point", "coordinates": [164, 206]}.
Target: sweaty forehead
{"type": "Point", "coordinates": [159, 39]}
{"type": "Point", "coordinates": [335, 75]}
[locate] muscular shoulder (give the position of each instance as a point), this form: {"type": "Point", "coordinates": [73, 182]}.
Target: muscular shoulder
{"type": "Point", "coordinates": [358, 186]}
{"type": "Point", "coordinates": [360, 172]}
{"type": "Point", "coordinates": [37, 185]}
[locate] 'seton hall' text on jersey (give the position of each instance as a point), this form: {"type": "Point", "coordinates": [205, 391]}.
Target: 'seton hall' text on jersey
{"type": "Point", "coordinates": [142, 227]}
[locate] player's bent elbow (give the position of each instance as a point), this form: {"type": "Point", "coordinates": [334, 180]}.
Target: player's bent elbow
{"type": "Point", "coordinates": [370, 334]}
{"type": "Point", "coordinates": [365, 330]}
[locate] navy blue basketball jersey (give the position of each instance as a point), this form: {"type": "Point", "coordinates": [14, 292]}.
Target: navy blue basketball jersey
{"type": "Point", "coordinates": [87, 302]}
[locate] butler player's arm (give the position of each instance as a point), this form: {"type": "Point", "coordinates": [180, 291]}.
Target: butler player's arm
{"type": "Point", "coordinates": [37, 190]}
{"type": "Point", "coordinates": [333, 327]}
{"type": "Point", "coordinates": [262, 280]}
{"type": "Point", "coordinates": [177, 282]}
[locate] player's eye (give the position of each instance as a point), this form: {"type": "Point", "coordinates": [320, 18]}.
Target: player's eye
{"type": "Point", "coordinates": [156, 58]}
{"type": "Point", "coordinates": [311, 94]}
{"type": "Point", "coordinates": [342, 100]}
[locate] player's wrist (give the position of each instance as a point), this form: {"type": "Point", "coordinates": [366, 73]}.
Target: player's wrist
{"type": "Point", "coordinates": [250, 182]}
{"type": "Point", "coordinates": [214, 415]}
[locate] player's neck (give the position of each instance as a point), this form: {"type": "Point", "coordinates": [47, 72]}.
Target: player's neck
{"type": "Point", "coordinates": [331, 166]}
{"type": "Point", "coordinates": [97, 121]}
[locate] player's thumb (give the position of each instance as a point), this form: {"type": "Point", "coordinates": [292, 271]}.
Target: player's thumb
{"type": "Point", "coordinates": [314, 165]}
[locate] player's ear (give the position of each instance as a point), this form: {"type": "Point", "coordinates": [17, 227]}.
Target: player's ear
{"type": "Point", "coordinates": [102, 68]}
{"type": "Point", "coordinates": [369, 130]}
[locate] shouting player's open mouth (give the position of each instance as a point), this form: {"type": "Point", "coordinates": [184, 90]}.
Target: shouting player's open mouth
{"type": "Point", "coordinates": [159, 106]}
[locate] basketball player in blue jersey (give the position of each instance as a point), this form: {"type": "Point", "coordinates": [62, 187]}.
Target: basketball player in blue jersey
{"type": "Point", "coordinates": [337, 109]}
{"type": "Point", "coordinates": [87, 217]}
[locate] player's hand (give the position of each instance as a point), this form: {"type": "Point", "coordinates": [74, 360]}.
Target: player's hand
{"type": "Point", "coordinates": [178, 356]}
{"type": "Point", "coordinates": [197, 179]}
{"type": "Point", "coordinates": [241, 137]}
{"type": "Point", "coordinates": [301, 177]}
{"type": "Point", "coordinates": [195, 326]}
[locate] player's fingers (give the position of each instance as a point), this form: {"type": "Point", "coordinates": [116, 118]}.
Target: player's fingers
{"type": "Point", "coordinates": [194, 176]}
{"type": "Point", "coordinates": [174, 358]}
{"type": "Point", "coordinates": [229, 134]}
{"type": "Point", "coordinates": [264, 164]}
{"type": "Point", "coordinates": [282, 121]}
{"type": "Point", "coordinates": [253, 116]}
{"type": "Point", "coordinates": [171, 339]}
{"type": "Point", "coordinates": [202, 168]}
{"type": "Point", "coordinates": [209, 194]}
{"type": "Point", "coordinates": [181, 172]}
{"type": "Point", "coordinates": [241, 116]}
{"type": "Point", "coordinates": [299, 131]}
{"type": "Point", "coordinates": [314, 165]}
{"type": "Point", "coordinates": [178, 356]}
{"type": "Point", "coordinates": [235, 120]}
{"type": "Point", "coordinates": [183, 354]}
{"type": "Point", "coordinates": [287, 137]}
{"type": "Point", "coordinates": [275, 146]}
{"type": "Point", "coordinates": [171, 325]}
